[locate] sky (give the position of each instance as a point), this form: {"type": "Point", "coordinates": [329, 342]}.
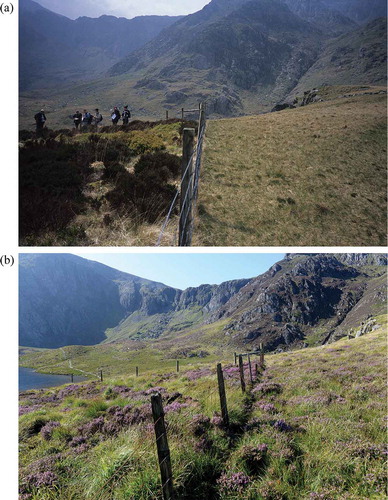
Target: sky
{"type": "Point", "coordinates": [185, 270]}
{"type": "Point", "coordinates": [123, 8]}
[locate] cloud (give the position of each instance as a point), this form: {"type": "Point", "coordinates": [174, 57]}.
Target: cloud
{"type": "Point", "coordinates": [122, 8]}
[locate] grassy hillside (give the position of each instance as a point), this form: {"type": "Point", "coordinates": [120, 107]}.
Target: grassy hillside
{"type": "Point", "coordinates": [315, 175]}
{"type": "Point", "coordinates": [312, 426]}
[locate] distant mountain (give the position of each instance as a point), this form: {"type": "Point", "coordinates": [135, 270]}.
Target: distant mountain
{"type": "Point", "coordinates": [304, 298]}
{"type": "Point", "coordinates": [57, 50]}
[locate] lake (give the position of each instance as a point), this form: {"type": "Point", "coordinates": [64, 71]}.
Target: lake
{"type": "Point", "coordinates": [30, 379]}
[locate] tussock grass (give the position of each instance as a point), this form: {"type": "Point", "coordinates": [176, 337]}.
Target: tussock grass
{"type": "Point", "coordinates": [315, 175]}
{"type": "Point", "coordinates": [312, 427]}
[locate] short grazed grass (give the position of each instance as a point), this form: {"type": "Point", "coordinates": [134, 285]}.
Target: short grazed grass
{"type": "Point", "coordinates": [315, 175]}
{"type": "Point", "coordinates": [312, 426]}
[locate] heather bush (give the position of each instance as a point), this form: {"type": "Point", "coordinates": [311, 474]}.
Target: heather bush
{"type": "Point", "coordinates": [151, 163]}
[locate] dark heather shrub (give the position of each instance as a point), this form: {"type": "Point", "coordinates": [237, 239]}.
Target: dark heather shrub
{"type": "Point", "coordinates": [200, 424]}
{"type": "Point", "coordinates": [153, 162]}
{"type": "Point", "coordinates": [33, 428]}
{"type": "Point", "coordinates": [254, 457]}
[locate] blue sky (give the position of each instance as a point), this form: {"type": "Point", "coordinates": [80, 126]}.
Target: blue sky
{"type": "Point", "coordinates": [182, 270]}
{"type": "Point", "coordinates": [122, 8]}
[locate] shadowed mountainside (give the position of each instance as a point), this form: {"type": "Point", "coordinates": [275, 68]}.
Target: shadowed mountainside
{"type": "Point", "coordinates": [55, 50]}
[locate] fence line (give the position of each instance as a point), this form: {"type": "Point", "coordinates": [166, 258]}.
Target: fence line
{"type": "Point", "coordinates": [188, 187]}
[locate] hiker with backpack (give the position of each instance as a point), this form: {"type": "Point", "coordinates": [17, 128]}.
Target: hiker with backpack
{"type": "Point", "coordinates": [97, 118]}
{"type": "Point", "coordinates": [126, 115]}
{"type": "Point", "coordinates": [115, 115]}
{"type": "Point", "coordinates": [87, 119]}
{"type": "Point", "coordinates": [77, 118]}
{"type": "Point", "coordinates": [40, 119]}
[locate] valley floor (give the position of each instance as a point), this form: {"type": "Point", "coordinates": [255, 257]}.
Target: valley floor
{"type": "Point", "coordinates": [315, 175]}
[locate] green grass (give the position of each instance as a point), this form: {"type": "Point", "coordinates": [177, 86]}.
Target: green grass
{"type": "Point", "coordinates": [319, 433]}
{"type": "Point", "coordinates": [315, 175]}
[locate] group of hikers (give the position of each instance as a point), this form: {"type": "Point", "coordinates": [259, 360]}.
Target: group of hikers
{"type": "Point", "coordinates": [86, 119]}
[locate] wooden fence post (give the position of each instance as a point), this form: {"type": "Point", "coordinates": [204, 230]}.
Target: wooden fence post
{"type": "Point", "coordinates": [183, 113]}
{"type": "Point", "coordinates": [261, 356]}
{"type": "Point", "coordinates": [166, 114]}
{"type": "Point", "coordinates": [235, 358]}
{"type": "Point", "coordinates": [221, 390]}
{"type": "Point", "coordinates": [101, 378]}
{"type": "Point", "coordinates": [71, 377]}
{"type": "Point", "coordinates": [187, 173]}
{"type": "Point", "coordinates": [177, 365]}
{"type": "Point", "coordinates": [137, 371]}
{"type": "Point", "coordinates": [257, 370]}
{"type": "Point", "coordinates": [241, 366]}
{"type": "Point", "coordinates": [162, 446]}
{"type": "Point", "coordinates": [250, 369]}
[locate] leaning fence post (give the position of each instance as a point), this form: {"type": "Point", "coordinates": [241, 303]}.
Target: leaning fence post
{"type": "Point", "coordinates": [241, 366]}
{"type": "Point", "coordinates": [162, 446]}
{"type": "Point", "coordinates": [185, 219]}
{"type": "Point", "coordinates": [221, 390]}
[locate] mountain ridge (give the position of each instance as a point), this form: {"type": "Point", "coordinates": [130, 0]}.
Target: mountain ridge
{"type": "Point", "coordinates": [281, 307]}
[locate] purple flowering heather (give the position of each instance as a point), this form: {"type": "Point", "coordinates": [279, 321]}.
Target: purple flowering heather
{"type": "Point", "coordinates": [175, 406]}
{"type": "Point", "coordinates": [267, 388]}
{"type": "Point", "coordinates": [47, 478]}
{"type": "Point", "coordinates": [267, 407]}
{"type": "Point", "coordinates": [282, 426]}
{"type": "Point", "coordinates": [235, 482]}
{"type": "Point", "coordinates": [217, 421]}
{"type": "Point", "coordinates": [47, 430]}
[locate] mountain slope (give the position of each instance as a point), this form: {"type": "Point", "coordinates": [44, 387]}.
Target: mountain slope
{"type": "Point", "coordinates": [56, 50]}
{"type": "Point", "coordinates": [304, 298]}
{"type": "Point", "coordinates": [257, 46]}
{"type": "Point", "coordinates": [358, 57]}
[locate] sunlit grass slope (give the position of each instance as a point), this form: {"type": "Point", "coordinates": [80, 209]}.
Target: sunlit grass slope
{"type": "Point", "coordinates": [312, 426]}
{"type": "Point", "coordinates": [314, 175]}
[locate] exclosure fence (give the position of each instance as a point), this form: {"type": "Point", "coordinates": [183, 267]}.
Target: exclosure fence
{"type": "Point", "coordinates": [161, 437]}
{"type": "Point", "coordinates": [188, 188]}
{"type": "Point", "coordinates": [216, 398]}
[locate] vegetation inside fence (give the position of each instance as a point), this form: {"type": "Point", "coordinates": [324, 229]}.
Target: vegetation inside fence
{"type": "Point", "coordinates": [106, 188]}
{"type": "Point", "coordinates": [312, 426]}
{"type": "Point", "coordinates": [315, 175]}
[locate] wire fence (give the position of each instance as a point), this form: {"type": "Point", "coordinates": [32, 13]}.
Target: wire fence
{"type": "Point", "coordinates": [187, 190]}
{"type": "Point", "coordinates": [210, 405]}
